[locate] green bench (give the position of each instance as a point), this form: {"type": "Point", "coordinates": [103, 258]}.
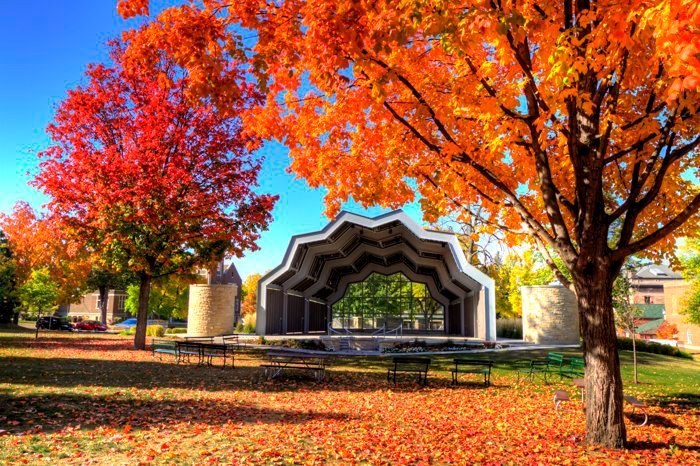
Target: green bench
{"type": "Point", "coordinates": [472, 366]}
{"type": "Point", "coordinates": [552, 363]}
{"type": "Point", "coordinates": [417, 366]}
{"type": "Point", "coordinates": [574, 369]}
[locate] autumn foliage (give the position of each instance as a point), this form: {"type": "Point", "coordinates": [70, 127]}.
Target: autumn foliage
{"type": "Point", "coordinates": [94, 400]}
{"type": "Point", "coordinates": [149, 179]}
{"type": "Point", "coordinates": [37, 243]}
{"type": "Point", "coordinates": [667, 331]}
{"type": "Point", "coordinates": [573, 125]}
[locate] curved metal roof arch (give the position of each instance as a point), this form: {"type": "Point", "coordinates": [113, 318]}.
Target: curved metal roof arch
{"type": "Point", "coordinates": [316, 266]}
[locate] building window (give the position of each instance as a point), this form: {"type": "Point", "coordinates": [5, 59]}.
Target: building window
{"type": "Point", "coordinates": [119, 303]}
{"type": "Point", "coordinates": [688, 337]}
{"type": "Point", "coordinates": [647, 300]}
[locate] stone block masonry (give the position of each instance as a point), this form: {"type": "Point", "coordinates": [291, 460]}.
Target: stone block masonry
{"type": "Point", "coordinates": [550, 315]}
{"type": "Point", "coordinates": [211, 310]}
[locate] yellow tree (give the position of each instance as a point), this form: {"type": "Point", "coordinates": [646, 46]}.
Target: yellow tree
{"type": "Point", "coordinates": [250, 295]}
{"type": "Point", "coordinates": [574, 123]}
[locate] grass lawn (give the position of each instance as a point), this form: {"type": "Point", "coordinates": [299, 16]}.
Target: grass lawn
{"type": "Point", "coordinates": [90, 399]}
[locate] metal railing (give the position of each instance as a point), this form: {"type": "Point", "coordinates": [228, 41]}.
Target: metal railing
{"type": "Point", "coordinates": [380, 332]}
{"type": "Point", "coordinates": [343, 331]}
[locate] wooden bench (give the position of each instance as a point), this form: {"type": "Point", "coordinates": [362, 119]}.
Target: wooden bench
{"type": "Point", "coordinates": [161, 346]}
{"type": "Point", "coordinates": [636, 404]}
{"type": "Point", "coordinates": [417, 366]}
{"type": "Point", "coordinates": [472, 366]}
{"type": "Point", "coordinates": [279, 362]}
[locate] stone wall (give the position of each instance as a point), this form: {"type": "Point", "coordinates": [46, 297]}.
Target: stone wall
{"type": "Point", "coordinates": [211, 310]}
{"type": "Point", "coordinates": [550, 315]}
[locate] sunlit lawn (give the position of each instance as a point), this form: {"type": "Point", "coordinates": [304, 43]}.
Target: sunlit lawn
{"type": "Point", "coordinates": [87, 399]}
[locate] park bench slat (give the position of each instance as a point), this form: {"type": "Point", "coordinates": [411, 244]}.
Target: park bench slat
{"type": "Point", "coordinates": [418, 366]}
{"type": "Point", "coordinates": [472, 366]}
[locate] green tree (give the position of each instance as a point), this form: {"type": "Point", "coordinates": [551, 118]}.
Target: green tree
{"type": "Point", "coordinates": [626, 314]}
{"type": "Point", "coordinates": [8, 282]}
{"type": "Point", "coordinates": [38, 294]}
{"type": "Point", "coordinates": [690, 259]}
{"type": "Point", "coordinates": [168, 298]}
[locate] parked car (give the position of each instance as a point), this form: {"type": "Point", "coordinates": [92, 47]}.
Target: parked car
{"type": "Point", "coordinates": [129, 323]}
{"type": "Point", "coordinates": [53, 323]}
{"type": "Point", "coordinates": [90, 325]}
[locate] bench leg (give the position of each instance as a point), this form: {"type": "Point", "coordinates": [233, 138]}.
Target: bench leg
{"type": "Point", "coordinates": [646, 418]}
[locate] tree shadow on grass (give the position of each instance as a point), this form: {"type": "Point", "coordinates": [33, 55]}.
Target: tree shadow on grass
{"type": "Point", "coordinates": [83, 341]}
{"type": "Point", "coordinates": [679, 400]}
{"type": "Point", "coordinates": [53, 412]}
{"type": "Point", "coordinates": [115, 374]}
{"type": "Point", "coordinates": [649, 445]}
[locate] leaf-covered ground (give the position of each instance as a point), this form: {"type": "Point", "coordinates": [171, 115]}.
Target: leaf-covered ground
{"type": "Point", "coordinates": [76, 399]}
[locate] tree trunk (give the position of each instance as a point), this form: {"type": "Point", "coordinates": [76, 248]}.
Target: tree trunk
{"type": "Point", "coordinates": [142, 314]}
{"type": "Point", "coordinates": [634, 356]}
{"type": "Point", "coordinates": [104, 296]}
{"type": "Point", "coordinates": [604, 403]}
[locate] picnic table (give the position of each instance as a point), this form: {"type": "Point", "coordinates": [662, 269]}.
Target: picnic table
{"type": "Point", "coordinates": [203, 350]}
{"type": "Point", "coordinates": [277, 362]}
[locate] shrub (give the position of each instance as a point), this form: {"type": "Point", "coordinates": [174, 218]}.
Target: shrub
{"type": "Point", "coordinates": [509, 328]}
{"type": "Point", "coordinates": [175, 331]}
{"type": "Point", "coordinates": [155, 331]}
{"type": "Point", "coordinates": [128, 332]}
{"type": "Point", "coordinates": [652, 347]}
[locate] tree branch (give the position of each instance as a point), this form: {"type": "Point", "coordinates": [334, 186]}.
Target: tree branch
{"type": "Point", "coordinates": [691, 209]}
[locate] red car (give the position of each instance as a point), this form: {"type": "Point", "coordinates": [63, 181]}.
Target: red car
{"type": "Point", "coordinates": [90, 325]}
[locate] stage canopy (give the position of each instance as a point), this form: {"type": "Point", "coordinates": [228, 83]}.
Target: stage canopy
{"type": "Point", "coordinates": [299, 295]}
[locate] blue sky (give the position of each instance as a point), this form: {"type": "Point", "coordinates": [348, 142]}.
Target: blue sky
{"type": "Point", "coordinates": [46, 46]}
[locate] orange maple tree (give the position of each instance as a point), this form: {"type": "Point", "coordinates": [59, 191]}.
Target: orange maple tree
{"type": "Point", "coordinates": [37, 242]}
{"type": "Point", "coordinates": [573, 124]}
{"type": "Point", "coordinates": [152, 181]}
{"type": "Point", "coordinates": [667, 331]}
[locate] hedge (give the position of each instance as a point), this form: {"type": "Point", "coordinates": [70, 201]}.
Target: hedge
{"type": "Point", "coordinates": [155, 331]}
{"type": "Point", "coordinates": [652, 347]}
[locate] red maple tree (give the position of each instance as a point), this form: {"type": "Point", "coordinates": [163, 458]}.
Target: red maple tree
{"type": "Point", "coordinates": [153, 180]}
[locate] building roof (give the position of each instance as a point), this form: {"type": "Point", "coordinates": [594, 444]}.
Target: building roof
{"type": "Point", "coordinates": [651, 311]}
{"type": "Point", "coordinates": [649, 328]}
{"type": "Point", "coordinates": [656, 272]}
{"type": "Point", "coordinates": [320, 265]}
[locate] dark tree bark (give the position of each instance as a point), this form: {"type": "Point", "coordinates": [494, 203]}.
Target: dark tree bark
{"type": "Point", "coordinates": [604, 402]}
{"type": "Point", "coordinates": [142, 314]}
{"type": "Point", "coordinates": [104, 296]}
